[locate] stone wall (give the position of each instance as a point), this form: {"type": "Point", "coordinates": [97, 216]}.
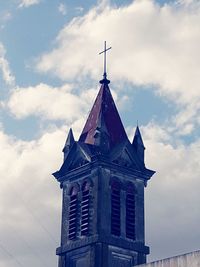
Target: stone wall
{"type": "Point", "coordinates": [187, 260]}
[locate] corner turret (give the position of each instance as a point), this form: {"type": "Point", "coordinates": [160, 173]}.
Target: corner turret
{"type": "Point", "coordinates": [139, 145]}
{"type": "Point", "coordinates": [68, 144]}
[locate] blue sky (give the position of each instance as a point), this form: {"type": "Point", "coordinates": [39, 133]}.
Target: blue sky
{"type": "Point", "coordinates": [49, 73]}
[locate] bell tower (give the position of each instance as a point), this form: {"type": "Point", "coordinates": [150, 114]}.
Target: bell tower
{"type": "Point", "coordinates": [102, 178]}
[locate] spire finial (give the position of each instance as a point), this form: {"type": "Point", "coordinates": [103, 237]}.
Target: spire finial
{"type": "Point", "coordinates": [104, 74]}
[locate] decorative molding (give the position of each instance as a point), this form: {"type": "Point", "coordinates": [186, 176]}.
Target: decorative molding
{"type": "Point", "coordinates": [109, 240]}
{"type": "Point", "coordinates": [77, 244]}
{"type": "Point", "coordinates": [144, 174]}
{"type": "Point", "coordinates": [125, 244]}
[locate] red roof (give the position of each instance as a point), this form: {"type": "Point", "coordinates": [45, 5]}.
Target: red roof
{"type": "Point", "coordinates": [104, 109]}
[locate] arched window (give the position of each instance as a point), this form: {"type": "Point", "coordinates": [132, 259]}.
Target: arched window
{"type": "Point", "coordinates": [115, 209]}
{"type": "Point", "coordinates": [85, 208]}
{"type": "Point", "coordinates": [130, 212]}
{"type": "Point", "coordinates": [73, 212]}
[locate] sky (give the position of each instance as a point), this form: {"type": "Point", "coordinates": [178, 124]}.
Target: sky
{"type": "Point", "coordinates": [49, 77]}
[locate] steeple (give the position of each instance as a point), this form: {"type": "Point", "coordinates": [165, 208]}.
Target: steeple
{"type": "Point", "coordinates": [104, 112]}
{"type": "Point", "coordinates": [103, 177]}
{"type": "Point", "coordinates": [103, 126]}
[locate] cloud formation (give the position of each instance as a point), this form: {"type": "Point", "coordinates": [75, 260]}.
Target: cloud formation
{"type": "Point", "coordinates": [7, 75]}
{"type": "Point", "coordinates": [152, 45]}
{"type": "Point", "coordinates": [54, 103]}
{"type": "Point", "coordinates": [30, 200]}
{"type": "Point", "coordinates": [49, 103]}
{"type": "Point", "coordinates": [27, 3]}
{"type": "Point", "coordinates": [62, 9]}
{"type": "Point", "coordinates": [172, 196]}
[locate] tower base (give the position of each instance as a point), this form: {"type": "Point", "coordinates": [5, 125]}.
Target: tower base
{"type": "Point", "coordinates": [101, 255]}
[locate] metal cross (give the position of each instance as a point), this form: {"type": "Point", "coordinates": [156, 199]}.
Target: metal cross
{"type": "Point", "coordinates": [105, 50]}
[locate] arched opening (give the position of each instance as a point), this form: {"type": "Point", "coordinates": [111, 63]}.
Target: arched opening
{"type": "Point", "coordinates": [115, 209]}
{"type": "Point", "coordinates": [85, 208]}
{"type": "Point", "coordinates": [73, 212]}
{"type": "Point", "coordinates": [130, 212]}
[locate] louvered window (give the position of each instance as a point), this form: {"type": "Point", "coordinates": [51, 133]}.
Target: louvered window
{"type": "Point", "coordinates": [130, 213]}
{"type": "Point", "coordinates": [73, 213]}
{"type": "Point", "coordinates": [85, 208]}
{"type": "Point", "coordinates": [115, 209]}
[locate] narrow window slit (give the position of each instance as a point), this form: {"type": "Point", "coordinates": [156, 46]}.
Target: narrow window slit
{"type": "Point", "coordinates": [115, 209]}
{"type": "Point", "coordinates": [130, 213]}
{"type": "Point", "coordinates": [85, 208]}
{"type": "Point", "coordinates": [73, 213]}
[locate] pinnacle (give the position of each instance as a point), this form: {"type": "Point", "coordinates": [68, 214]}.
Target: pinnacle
{"type": "Point", "coordinates": [104, 113]}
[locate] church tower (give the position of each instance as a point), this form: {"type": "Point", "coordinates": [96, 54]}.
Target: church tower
{"type": "Point", "coordinates": [103, 178]}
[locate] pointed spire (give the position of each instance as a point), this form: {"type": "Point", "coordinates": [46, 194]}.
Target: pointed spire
{"type": "Point", "coordinates": [104, 114]}
{"type": "Point", "coordinates": [68, 144]}
{"type": "Point", "coordinates": [138, 144]}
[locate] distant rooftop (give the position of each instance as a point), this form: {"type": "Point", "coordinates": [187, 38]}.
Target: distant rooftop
{"type": "Point", "coordinates": [191, 259]}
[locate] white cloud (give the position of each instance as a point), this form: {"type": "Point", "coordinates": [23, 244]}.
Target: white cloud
{"type": "Point", "coordinates": [54, 103]}
{"type": "Point", "coordinates": [8, 78]}
{"type": "Point", "coordinates": [62, 9]}
{"type": "Point", "coordinates": [172, 194]}
{"type": "Point", "coordinates": [188, 119]}
{"type": "Point", "coordinates": [172, 197]}
{"type": "Point", "coordinates": [151, 45]}
{"type": "Point", "coordinates": [5, 16]}
{"type": "Point", "coordinates": [30, 200]}
{"type": "Point", "coordinates": [27, 3]}
{"type": "Point", "coordinates": [157, 133]}
{"type": "Point", "coordinates": [188, 3]}
{"type": "Point", "coordinates": [49, 103]}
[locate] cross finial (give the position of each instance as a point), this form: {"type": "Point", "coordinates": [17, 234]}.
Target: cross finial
{"type": "Point", "coordinates": [104, 51]}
